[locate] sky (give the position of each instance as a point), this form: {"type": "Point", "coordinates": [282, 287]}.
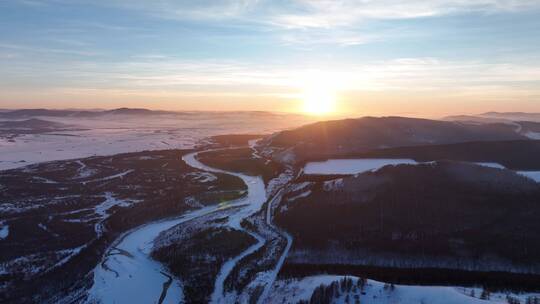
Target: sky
{"type": "Point", "coordinates": [374, 57]}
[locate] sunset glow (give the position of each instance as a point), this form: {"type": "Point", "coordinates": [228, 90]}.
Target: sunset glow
{"type": "Point", "coordinates": [319, 101]}
{"type": "Point", "coordinates": [422, 58]}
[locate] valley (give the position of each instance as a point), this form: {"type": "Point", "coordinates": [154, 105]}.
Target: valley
{"type": "Point", "coordinates": [236, 220]}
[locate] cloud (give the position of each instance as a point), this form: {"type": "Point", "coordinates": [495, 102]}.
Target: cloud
{"type": "Point", "coordinates": [45, 50]}
{"type": "Point", "coordinates": [187, 9]}
{"type": "Point", "coordinates": [316, 13]}
{"type": "Point", "coordinates": [157, 72]}
{"type": "Point", "coordinates": [342, 13]}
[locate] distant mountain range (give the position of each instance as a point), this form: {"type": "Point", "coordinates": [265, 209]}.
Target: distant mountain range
{"type": "Point", "coordinates": [12, 128]}
{"type": "Point", "coordinates": [29, 113]}
{"type": "Point", "coordinates": [497, 117]}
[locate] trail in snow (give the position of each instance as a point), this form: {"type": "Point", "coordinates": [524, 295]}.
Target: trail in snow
{"type": "Point", "coordinates": [119, 175]}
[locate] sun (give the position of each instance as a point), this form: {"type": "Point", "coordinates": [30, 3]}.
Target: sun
{"type": "Point", "coordinates": [318, 101]}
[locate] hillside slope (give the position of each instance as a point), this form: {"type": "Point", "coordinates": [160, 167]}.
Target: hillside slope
{"type": "Point", "coordinates": [341, 137]}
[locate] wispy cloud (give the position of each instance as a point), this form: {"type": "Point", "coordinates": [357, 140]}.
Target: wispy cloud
{"type": "Point", "coordinates": [44, 50]}
{"type": "Point", "coordinates": [316, 13]}
{"type": "Point", "coordinates": [157, 72]}
{"type": "Point", "coordinates": [186, 9]}
{"type": "Point", "coordinates": [343, 13]}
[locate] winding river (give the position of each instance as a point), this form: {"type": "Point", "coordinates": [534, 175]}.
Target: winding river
{"type": "Point", "coordinates": [127, 273]}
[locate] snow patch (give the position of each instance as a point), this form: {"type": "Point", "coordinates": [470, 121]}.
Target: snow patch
{"type": "Point", "coordinates": [119, 175]}
{"type": "Point", "coordinates": [4, 230]}
{"type": "Point", "coordinates": [534, 175]}
{"type": "Point", "coordinates": [374, 292]}
{"type": "Point", "coordinates": [192, 202]}
{"type": "Point", "coordinates": [301, 195]}
{"type": "Point", "coordinates": [333, 185]}
{"type": "Point", "coordinates": [532, 135]}
{"type": "Point", "coordinates": [490, 165]}
{"type": "Point", "coordinates": [83, 171]}
{"type": "Point", "coordinates": [202, 177]}
{"type": "Point", "coordinates": [108, 203]}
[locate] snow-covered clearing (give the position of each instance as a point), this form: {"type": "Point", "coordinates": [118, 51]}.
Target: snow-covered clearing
{"type": "Point", "coordinates": [361, 165]}
{"type": "Point", "coordinates": [102, 209]}
{"type": "Point", "coordinates": [108, 203]}
{"type": "Point", "coordinates": [534, 175]}
{"type": "Point", "coordinates": [533, 135]}
{"type": "Point", "coordinates": [352, 166]}
{"type": "Point", "coordinates": [374, 292]}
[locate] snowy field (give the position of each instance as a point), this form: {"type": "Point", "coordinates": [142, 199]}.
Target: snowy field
{"type": "Point", "coordinates": [110, 135]}
{"type": "Point", "coordinates": [351, 166]}
{"type": "Point", "coordinates": [534, 175]}
{"type": "Point", "coordinates": [374, 292]}
{"type": "Point", "coordinates": [361, 165]}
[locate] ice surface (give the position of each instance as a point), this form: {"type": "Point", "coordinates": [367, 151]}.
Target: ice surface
{"type": "Point", "coordinates": [129, 275]}
{"type": "Point", "coordinates": [351, 166]}
{"type": "Point", "coordinates": [121, 134]}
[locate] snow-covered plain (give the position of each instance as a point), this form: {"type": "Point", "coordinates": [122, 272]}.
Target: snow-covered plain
{"type": "Point", "coordinates": [352, 166]}
{"type": "Point", "coordinates": [292, 291]}
{"type": "Point", "coordinates": [110, 135]}
{"type": "Point", "coordinates": [361, 165]}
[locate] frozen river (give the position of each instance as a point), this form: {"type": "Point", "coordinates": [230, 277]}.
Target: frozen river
{"type": "Point", "coordinates": [127, 273]}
